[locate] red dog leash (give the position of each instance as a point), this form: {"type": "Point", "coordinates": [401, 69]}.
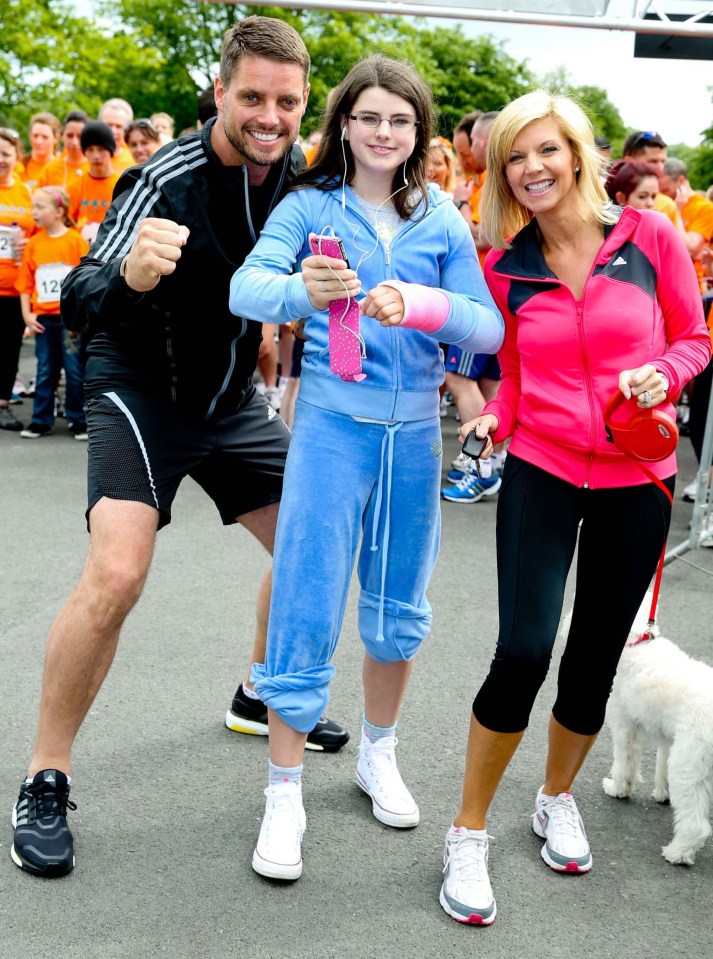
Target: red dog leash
{"type": "Point", "coordinates": [647, 437]}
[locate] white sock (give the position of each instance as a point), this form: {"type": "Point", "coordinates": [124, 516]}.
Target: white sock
{"type": "Point", "coordinates": [250, 693]}
{"type": "Point", "coordinates": [284, 774]}
{"type": "Point", "coordinates": [373, 733]}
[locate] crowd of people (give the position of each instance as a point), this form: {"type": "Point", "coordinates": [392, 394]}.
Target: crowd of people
{"type": "Point", "coordinates": [506, 266]}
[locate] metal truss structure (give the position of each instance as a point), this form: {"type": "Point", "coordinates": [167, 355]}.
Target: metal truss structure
{"type": "Point", "coordinates": [692, 19]}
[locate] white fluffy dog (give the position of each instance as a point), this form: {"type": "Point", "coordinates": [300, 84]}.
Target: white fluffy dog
{"type": "Point", "coordinates": [661, 696]}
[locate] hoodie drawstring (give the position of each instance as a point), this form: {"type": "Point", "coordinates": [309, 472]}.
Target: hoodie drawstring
{"type": "Point", "coordinates": [387, 452]}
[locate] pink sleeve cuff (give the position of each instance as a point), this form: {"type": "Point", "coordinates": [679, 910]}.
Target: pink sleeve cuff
{"type": "Point", "coordinates": [425, 309]}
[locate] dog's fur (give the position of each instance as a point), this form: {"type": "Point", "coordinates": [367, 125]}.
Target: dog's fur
{"type": "Point", "coordinates": [664, 697]}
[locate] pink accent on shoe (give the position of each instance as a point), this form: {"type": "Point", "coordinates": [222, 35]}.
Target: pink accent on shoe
{"type": "Point", "coordinates": [425, 309]}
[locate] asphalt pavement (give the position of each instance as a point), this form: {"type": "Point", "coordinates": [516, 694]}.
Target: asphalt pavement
{"type": "Point", "coordinates": [170, 801]}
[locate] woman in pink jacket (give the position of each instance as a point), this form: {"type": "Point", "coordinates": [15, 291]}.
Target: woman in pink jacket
{"type": "Point", "coordinates": [595, 299]}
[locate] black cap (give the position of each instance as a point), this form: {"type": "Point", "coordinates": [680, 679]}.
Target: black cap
{"type": "Point", "coordinates": [98, 134]}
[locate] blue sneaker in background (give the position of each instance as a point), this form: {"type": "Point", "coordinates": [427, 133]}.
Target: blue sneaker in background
{"type": "Point", "coordinates": [470, 489]}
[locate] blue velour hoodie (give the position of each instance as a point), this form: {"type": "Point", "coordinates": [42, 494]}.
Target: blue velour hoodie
{"type": "Point", "coordinates": [403, 366]}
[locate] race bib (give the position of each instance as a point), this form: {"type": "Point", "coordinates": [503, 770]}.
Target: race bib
{"type": "Point", "coordinates": [7, 246]}
{"type": "Point", "coordinates": [48, 281]}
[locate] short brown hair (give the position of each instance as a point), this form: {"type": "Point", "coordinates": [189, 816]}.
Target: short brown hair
{"type": "Point", "coordinates": [262, 37]}
{"type": "Point", "coordinates": [49, 119]}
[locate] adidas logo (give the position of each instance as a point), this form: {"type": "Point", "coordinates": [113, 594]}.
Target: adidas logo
{"type": "Point", "coordinates": [271, 414]}
{"type": "Point", "coordinates": [49, 778]}
{"type": "Point", "coordinates": [620, 261]}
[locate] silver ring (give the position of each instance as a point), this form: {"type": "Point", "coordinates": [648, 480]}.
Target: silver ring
{"type": "Point", "coordinates": [647, 397]}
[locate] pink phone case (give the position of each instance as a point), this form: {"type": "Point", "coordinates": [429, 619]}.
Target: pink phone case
{"type": "Point", "coordinates": [344, 336]}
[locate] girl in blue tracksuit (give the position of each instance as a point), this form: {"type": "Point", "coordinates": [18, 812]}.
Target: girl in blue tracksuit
{"type": "Point", "coordinates": [365, 456]}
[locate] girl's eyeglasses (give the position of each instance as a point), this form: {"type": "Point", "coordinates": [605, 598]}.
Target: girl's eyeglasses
{"type": "Point", "coordinates": [372, 121]}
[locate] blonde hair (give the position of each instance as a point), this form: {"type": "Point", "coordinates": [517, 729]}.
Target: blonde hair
{"type": "Point", "coordinates": [440, 143]}
{"type": "Point", "coordinates": [60, 198]}
{"type": "Point", "coordinates": [501, 215]}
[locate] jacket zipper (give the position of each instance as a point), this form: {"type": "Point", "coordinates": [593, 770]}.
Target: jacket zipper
{"type": "Point", "coordinates": [171, 360]}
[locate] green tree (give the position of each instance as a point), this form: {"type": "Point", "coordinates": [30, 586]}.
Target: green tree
{"type": "Point", "coordinates": [469, 73]}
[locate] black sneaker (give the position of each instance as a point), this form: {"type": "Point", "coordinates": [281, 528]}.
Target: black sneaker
{"type": "Point", "coordinates": [43, 843]}
{"type": "Point", "coordinates": [8, 421]}
{"type": "Point", "coordinates": [250, 716]}
{"type": "Point", "coordinates": [35, 430]}
{"type": "Point", "coordinates": [79, 431]}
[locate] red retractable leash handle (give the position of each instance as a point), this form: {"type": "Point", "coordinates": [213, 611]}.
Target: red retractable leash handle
{"type": "Point", "coordinates": [646, 437]}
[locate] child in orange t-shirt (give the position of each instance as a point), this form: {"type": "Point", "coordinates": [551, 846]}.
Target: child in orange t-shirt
{"type": "Point", "coordinates": [49, 256]}
{"type": "Point", "coordinates": [90, 197]}
{"type": "Point", "coordinates": [15, 226]}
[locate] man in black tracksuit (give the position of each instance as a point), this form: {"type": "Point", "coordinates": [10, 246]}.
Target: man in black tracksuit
{"type": "Point", "coordinates": [169, 392]}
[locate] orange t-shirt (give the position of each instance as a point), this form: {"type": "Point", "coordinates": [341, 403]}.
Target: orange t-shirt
{"type": "Point", "coordinates": [15, 210]}
{"type": "Point", "coordinates": [123, 160]}
{"type": "Point", "coordinates": [33, 168]}
{"type": "Point", "coordinates": [46, 262]}
{"type": "Point", "coordinates": [89, 199]}
{"type": "Point", "coordinates": [475, 212]}
{"type": "Point", "coordinates": [697, 216]}
{"type": "Point", "coordinates": [664, 204]}
{"type": "Point", "coordinates": [62, 172]}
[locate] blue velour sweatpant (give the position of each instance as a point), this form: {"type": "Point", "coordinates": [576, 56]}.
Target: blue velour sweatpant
{"type": "Point", "coordinates": [345, 480]}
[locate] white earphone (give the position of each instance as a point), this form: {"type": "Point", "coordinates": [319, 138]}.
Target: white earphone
{"type": "Point", "coordinates": [344, 131]}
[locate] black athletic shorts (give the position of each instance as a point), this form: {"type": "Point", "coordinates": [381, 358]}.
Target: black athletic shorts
{"type": "Point", "coordinates": [141, 447]}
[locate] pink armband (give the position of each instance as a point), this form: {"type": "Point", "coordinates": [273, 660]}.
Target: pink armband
{"type": "Point", "coordinates": [425, 309]}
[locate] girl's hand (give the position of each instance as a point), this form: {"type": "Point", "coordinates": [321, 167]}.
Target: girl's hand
{"type": "Point", "coordinates": [328, 279]}
{"type": "Point", "coordinates": [484, 425]}
{"type": "Point", "coordinates": [645, 383]}
{"type": "Point", "coordinates": [384, 304]}
{"type": "Point", "coordinates": [33, 324]}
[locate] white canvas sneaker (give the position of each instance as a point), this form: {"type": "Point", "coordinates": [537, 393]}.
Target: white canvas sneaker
{"type": "Point", "coordinates": [278, 852]}
{"type": "Point", "coordinates": [378, 775]}
{"type": "Point", "coordinates": [466, 893]}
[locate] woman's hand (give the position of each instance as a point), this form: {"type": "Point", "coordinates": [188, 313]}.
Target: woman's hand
{"type": "Point", "coordinates": [328, 279]}
{"type": "Point", "coordinates": [484, 425]}
{"type": "Point", "coordinates": [646, 384]}
{"type": "Point", "coordinates": [384, 304]}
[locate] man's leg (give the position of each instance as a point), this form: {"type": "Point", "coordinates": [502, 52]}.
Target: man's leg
{"type": "Point", "coordinates": [83, 639]}
{"type": "Point", "coordinates": [261, 523]}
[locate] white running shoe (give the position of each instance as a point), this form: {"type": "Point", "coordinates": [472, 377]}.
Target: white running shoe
{"type": "Point", "coordinates": [274, 397]}
{"type": "Point", "coordinates": [689, 493]}
{"type": "Point", "coordinates": [278, 852]}
{"type": "Point", "coordinates": [462, 462]}
{"type": "Point", "coordinates": [556, 820]}
{"type": "Point", "coordinates": [466, 893]}
{"type": "Point", "coordinates": [379, 777]}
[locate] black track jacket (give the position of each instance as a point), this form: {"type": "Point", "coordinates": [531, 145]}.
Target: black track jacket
{"type": "Point", "coordinates": [179, 341]}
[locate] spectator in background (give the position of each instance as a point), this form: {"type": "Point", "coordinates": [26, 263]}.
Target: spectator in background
{"type": "Point", "coordinates": [461, 145]}
{"type": "Point", "coordinates": [165, 125]}
{"type": "Point", "coordinates": [116, 113]}
{"type": "Point", "coordinates": [16, 224]}
{"type": "Point", "coordinates": [696, 211]}
{"type": "Point", "coordinates": [143, 139]}
{"type": "Point", "coordinates": [632, 184]}
{"type": "Point", "coordinates": [49, 256]}
{"type": "Point", "coordinates": [44, 134]}
{"type": "Point", "coordinates": [71, 164]}
{"type": "Point", "coordinates": [647, 146]}
{"type": "Point", "coordinates": [91, 195]}
{"type": "Point", "coordinates": [206, 106]}
{"type": "Point", "coordinates": [441, 165]}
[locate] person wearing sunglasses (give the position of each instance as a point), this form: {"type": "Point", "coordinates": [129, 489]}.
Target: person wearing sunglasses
{"type": "Point", "coordinates": [648, 146]}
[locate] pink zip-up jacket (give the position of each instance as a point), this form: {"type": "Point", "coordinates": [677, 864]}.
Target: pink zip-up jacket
{"type": "Point", "coordinates": [561, 358]}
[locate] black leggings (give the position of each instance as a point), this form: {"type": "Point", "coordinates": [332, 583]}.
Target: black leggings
{"type": "Point", "coordinates": [12, 327]}
{"type": "Point", "coordinates": [620, 542]}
